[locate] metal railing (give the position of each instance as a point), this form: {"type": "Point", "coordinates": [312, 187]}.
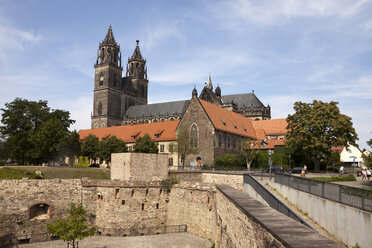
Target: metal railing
{"type": "Point", "coordinates": [352, 196]}
{"type": "Point", "coordinates": [208, 169]}
{"type": "Point", "coordinates": [272, 200]}
{"type": "Point", "coordinates": [141, 231]}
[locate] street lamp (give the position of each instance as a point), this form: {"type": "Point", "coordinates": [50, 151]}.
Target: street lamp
{"type": "Point", "coordinates": [270, 162]}
{"type": "Point", "coordinates": [354, 165]}
{"type": "Point", "coordinates": [289, 161]}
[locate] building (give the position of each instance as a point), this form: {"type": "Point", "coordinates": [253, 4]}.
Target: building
{"type": "Point", "coordinates": [123, 100]}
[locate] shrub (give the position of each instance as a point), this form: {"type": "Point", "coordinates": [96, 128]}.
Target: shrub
{"type": "Point", "coordinates": [226, 161]}
{"type": "Point", "coordinates": [168, 182]}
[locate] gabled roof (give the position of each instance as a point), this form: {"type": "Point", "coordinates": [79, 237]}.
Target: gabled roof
{"type": "Point", "coordinates": [241, 100]}
{"type": "Point", "coordinates": [157, 109]}
{"type": "Point", "coordinates": [166, 131]}
{"type": "Point", "coordinates": [272, 127]}
{"type": "Point", "coordinates": [228, 121]}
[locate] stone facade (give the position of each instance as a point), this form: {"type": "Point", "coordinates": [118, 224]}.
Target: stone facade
{"type": "Point", "coordinates": [139, 167]}
{"type": "Point", "coordinates": [113, 95]}
{"type": "Point", "coordinates": [195, 115]}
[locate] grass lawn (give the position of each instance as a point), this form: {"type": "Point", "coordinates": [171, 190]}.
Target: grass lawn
{"type": "Point", "coordinates": [344, 178]}
{"type": "Point", "coordinates": [17, 172]}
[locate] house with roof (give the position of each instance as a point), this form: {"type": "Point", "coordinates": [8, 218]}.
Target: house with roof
{"type": "Point", "coordinates": [350, 155]}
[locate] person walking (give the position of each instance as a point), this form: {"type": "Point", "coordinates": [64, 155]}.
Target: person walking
{"type": "Point", "coordinates": [342, 170]}
{"type": "Point", "coordinates": [304, 170]}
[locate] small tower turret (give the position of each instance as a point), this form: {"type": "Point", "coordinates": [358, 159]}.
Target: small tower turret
{"type": "Point", "coordinates": [194, 92]}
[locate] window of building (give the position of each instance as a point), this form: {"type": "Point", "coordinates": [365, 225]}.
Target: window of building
{"type": "Point", "coordinates": [133, 137]}
{"type": "Point", "coordinates": [171, 147]}
{"type": "Point", "coordinates": [161, 148]}
{"type": "Point", "coordinates": [194, 136]}
{"type": "Point", "coordinates": [156, 135]}
{"type": "Point", "coordinates": [130, 148]}
{"type": "Point", "coordinates": [170, 161]}
{"type": "Point", "coordinates": [99, 108]}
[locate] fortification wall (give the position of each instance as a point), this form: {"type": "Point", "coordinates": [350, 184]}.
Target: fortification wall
{"type": "Point", "coordinates": [233, 180]}
{"type": "Point", "coordinates": [139, 166]}
{"type": "Point", "coordinates": [194, 204]}
{"type": "Point", "coordinates": [50, 199]}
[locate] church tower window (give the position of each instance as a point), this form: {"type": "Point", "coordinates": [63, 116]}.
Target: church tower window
{"type": "Point", "coordinates": [99, 108]}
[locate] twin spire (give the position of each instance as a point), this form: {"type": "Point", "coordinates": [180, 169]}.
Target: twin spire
{"type": "Point", "coordinates": [109, 39]}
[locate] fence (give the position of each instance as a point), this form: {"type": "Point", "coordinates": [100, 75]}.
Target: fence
{"type": "Point", "coordinates": [272, 200]}
{"type": "Point", "coordinates": [355, 197]}
{"type": "Point", "coordinates": [141, 231]}
{"type": "Point", "coordinates": [207, 170]}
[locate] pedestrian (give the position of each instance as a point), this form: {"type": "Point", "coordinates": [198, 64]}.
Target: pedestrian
{"type": "Point", "coordinates": [342, 170]}
{"type": "Point", "coordinates": [364, 174]}
{"type": "Point", "coordinates": [303, 172]}
{"type": "Point", "coordinates": [369, 172]}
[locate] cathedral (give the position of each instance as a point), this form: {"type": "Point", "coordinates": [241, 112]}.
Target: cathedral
{"type": "Point", "coordinates": [123, 100]}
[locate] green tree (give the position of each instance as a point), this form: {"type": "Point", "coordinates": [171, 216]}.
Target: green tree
{"type": "Point", "coordinates": [111, 145]}
{"type": "Point", "coordinates": [318, 126]}
{"type": "Point", "coordinates": [27, 128]}
{"type": "Point", "coordinates": [90, 147]}
{"type": "Point", "coordinates": [146, 145]}
{"type": "Point", "coordinates": [250, 150]}
{"type": "Point", "coordinates": [183, 145]}
{"type": "Point", "coordinates": [73, 228]}
{"type": "Point", "coordinates": [368, 156]}
{"type": "Point", "coordinates": [70, 146]}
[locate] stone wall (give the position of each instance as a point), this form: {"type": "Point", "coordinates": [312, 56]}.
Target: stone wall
{"type": "Point", "coordinates": [17, 197]}
{"type": "Point", "coordinates": [233, 180]}
{"type": "Point", "coordinates": [194, 204]}
{"type": "Point", "coordinates": [139, 167]}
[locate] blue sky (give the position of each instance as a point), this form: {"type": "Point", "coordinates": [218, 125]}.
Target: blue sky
{"type": "Point", "coordinates": [285, 50]}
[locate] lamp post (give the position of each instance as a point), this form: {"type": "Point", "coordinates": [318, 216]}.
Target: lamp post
{"type": "Point", "coordinates": [270, 162]}
{"type": "Point", "coordinates": [354, 165]}
{"type": "Point", "coordinates": [289, 161]}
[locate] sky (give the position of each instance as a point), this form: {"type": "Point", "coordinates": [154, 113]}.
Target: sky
{"type": "Point", "coordinates": [284, 50]}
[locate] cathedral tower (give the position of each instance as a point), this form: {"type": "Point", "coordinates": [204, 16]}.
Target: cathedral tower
{"type": "Point", "coordinates": [107, 84]}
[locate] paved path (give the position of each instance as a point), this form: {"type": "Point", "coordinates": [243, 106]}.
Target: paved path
{"type": "Point", "coordinates": [174, 240]}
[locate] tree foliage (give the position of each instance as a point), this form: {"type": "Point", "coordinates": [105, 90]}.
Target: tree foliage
{"type": "Point", "coordinates": [73, 228]}
{"type": "Point", "coordinates": [233, 161]}
{"type": "Point", "coordinates": [109, 146]}
{"type": "Point", "coordinates": [250, 150]}
{"type": "Point", "coordinates": [70, 146]}
{"type": "Point", "coordinates": [183, 144]}
{"type": "Point", "coordinates": [90, 147]}
{"type": "Point", "coordinates": [318, 126]}
{"type": "Point", "coordinates": [367, 156]}
{"type": "Point", "coordinates": [32, 131]}
{"type": "Point", "coordinates": [146, 145]}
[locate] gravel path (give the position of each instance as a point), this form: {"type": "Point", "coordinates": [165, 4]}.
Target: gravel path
{"type": "Point", "coordinates": [174, 240]}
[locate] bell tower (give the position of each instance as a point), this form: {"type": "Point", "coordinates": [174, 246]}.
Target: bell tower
{"type": "Point", "coordinates": [107, 84]}
{"type": "Point", "coordinates": [137, 73]}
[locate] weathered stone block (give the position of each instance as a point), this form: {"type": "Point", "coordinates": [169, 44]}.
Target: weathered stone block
{"type": "Point", "coordinates": [139, 167]}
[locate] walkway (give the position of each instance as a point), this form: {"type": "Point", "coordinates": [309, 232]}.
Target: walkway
{"type": "Point", "coordinates": [174, 240]}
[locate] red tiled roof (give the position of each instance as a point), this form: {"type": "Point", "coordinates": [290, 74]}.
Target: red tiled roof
{"type": "Point", "coordinates": [165, 130]}
{"type": "Point", "coordinates": [228, 121]}
{"type": "Point", "coordinates": [272, 127]}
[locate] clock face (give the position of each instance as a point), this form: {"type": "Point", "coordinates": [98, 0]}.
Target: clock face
{"type": "Point", "coordinates": [101, 79]}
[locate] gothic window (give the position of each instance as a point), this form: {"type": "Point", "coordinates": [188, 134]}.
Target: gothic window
{"type": "Point", "coordinates": [99, 108]}
{"type": "Point", "coordinates": [114, 80]}
{"type": "Point", "coordinates": [194, 136]}
{"type": "Point", "coordinates": [142, 90]}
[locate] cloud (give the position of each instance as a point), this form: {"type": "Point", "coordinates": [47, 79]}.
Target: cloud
{"type": "Point", "coordinates": [267, 12]}
{"type": "Point", "coordinates": [158, 34]}
{"type": "Point", "coordinates": [12, 38]}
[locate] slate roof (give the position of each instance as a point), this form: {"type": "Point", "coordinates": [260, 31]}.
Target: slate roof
{"type": "Point", "coordinates": [241, 100]}
{"type": "Point", "coordinates": [166, 131]}
{"type": "Point", "coordinates": [157, 109]}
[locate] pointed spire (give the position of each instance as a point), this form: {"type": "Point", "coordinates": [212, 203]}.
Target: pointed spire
{"type": "Point", "coordinates": [209, 84]}
{"type": "Point", "coordinates": [137, 53]}
{"type": "Point", "coordinates": [194, 92]}
{"type": "Point", "coordinates": [109, 39]}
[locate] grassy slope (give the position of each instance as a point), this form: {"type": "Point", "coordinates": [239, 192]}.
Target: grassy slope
{"type": "Point", "coordinates": [17, 172]}
{"type": "Point", "coordinates": [343, 178]}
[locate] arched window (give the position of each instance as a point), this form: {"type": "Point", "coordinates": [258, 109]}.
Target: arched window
{"type": "Point", "coordinates": [39, 211]}
{"type": "Point", "coordinates": [99, 108]}
{"type": "Point", "coordinates": [194, 136]}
